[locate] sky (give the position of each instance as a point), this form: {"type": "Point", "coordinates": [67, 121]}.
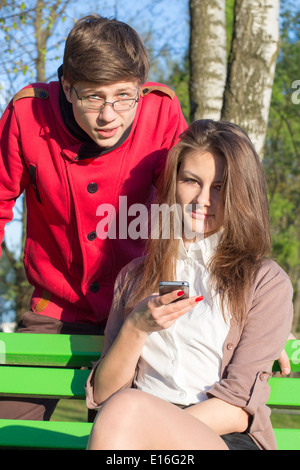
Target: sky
{"type": "Point", "coordinates": [168, 20]}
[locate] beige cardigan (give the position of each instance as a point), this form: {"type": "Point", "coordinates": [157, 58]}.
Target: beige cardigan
{"type": "Point", "coordinates": [249, 352]}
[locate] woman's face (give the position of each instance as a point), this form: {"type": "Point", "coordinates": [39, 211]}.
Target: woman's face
{"type": "Point", "coordinates": [198, 191]}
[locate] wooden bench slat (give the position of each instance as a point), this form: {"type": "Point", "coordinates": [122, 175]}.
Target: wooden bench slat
{"type": "Point", "coordinates": [44, 434]}
{"type": "Point", "coordinates": [42, 382]}
{"type": "Point", "coordinates": [285, 392]}
{"type": "Point", "coordinates": [49, 350]}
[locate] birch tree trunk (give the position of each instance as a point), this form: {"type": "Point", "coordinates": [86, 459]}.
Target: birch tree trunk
{"type": "Point", "coordinates": [251, 68]}
{"type": "Point", "coordinates": [207, 58]}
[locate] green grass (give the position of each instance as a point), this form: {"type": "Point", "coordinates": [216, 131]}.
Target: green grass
{"type": "Point", "coordinates": [70, 410]}
{"type": "Point", "coordinates": [290, 421]}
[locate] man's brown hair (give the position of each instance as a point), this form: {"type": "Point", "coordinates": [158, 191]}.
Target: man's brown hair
{"type": "Point", "coordinates": [104, 51]}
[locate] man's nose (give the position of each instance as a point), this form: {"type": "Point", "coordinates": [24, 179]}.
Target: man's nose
{"type": "Point", "coordinates": [107, 113]}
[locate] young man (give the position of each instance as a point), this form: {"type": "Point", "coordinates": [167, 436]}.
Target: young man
{"type": "Point", "coordinates": [96, 137]}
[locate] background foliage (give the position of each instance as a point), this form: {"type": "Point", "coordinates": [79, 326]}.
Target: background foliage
{"type": "Point", "coordinates": [282, 154]}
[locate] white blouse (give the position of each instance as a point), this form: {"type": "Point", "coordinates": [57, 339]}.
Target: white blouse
{"type": "Point", "coordinates": [181, 363]}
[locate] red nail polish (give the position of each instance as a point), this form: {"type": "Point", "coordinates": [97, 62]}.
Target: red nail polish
{"type": "Point", "coordinates": [180, 293]}
{"type": "Point", "coordinates": [199, 298]}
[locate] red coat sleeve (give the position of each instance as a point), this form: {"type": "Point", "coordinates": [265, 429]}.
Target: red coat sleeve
{"type": "Point", "coordinates": [14, 175]}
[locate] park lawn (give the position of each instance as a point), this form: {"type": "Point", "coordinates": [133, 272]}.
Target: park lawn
{"type": "Point", "coordinates": [290, 421]}
{"type": "Point", "coordinates": [70, 410]}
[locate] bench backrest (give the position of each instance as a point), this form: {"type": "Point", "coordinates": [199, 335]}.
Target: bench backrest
{"type": "Point", "coordinates": [43, 365]}
{"type": "Point", "coordinates": [46, 365]}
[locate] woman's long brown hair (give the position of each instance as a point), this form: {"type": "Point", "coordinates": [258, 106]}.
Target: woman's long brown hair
{"type": "Point", "coordinates": [245, 239]}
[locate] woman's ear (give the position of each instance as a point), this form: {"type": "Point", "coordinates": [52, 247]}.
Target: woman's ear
{"type": "Point", "coordinates": [67, 88]}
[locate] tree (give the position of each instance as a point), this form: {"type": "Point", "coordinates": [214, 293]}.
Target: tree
{"type": "Point", "coordinates": [28, 38]}
{"type": "Point", "coordinates": [241, 89]}
{"type": "Point", "coordinates": [252, 35]}
{"type": "Point", "coordinates": [207, 58]}
{"type": "Point", "coordinates": [251, 68]}
{"type": "Point", "coordinates": [205, 98]}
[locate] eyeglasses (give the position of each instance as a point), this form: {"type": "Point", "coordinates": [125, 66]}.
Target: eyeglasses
{"type": "Point", "coordinates": [97, 104]}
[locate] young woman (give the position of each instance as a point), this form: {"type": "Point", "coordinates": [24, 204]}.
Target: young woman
{"type": "Point", "coordinates": [192, 374]}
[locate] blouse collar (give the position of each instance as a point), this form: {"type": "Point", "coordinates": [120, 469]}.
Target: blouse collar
{"type": "Point", "coordinates": [203, 249]}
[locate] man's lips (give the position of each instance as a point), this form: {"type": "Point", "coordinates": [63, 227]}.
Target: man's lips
{"type": "Point", "coordinates": [108, 132]}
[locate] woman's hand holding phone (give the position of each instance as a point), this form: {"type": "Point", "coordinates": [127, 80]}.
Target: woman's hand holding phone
{"type": "Point", "coordinates": [158, 312]}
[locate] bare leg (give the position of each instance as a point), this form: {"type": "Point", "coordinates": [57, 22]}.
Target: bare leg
{"type": "Point", "coordinates": [134, 420]}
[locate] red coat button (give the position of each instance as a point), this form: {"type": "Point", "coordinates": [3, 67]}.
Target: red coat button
{"type": "Point", "coordinates": [92, 188]}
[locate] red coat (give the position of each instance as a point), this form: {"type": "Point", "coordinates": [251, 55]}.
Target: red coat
{"type": "Point", "coordinates": [73, 271]}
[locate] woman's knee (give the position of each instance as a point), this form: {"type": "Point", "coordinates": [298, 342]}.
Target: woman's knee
{"type": "Point", "coordinates": [116, 418]}
{"type": "Point", "coordinates": [123, 406]}
{"type": "Point", "coordinates": [128, 400]}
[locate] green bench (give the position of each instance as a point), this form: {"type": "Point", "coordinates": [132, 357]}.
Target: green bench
{"type": "Point", "coordinates": [48, 366]}
{"type": "Point", "coordinates": [56, 366]}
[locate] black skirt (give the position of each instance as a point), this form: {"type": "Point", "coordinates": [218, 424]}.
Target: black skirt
{"type": "Point", "coordinates": [239, 441]}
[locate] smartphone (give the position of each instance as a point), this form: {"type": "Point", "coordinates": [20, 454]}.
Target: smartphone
{"type": "Point", "coordinates": [165, 287]}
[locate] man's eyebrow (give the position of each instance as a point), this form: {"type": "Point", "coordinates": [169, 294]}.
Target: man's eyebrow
{"type": "Point", "coordinates": [93, 91]}
{"type": "Point", "coordinates": [125, 89]}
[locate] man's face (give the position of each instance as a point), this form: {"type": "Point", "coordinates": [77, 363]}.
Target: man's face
{"type": "Point", "coordinates": [105, 126]}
